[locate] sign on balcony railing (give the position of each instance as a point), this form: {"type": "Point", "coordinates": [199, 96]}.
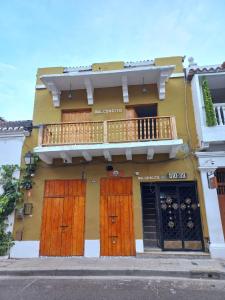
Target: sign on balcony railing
{"type": "Point", "coordinates": [111, 131]}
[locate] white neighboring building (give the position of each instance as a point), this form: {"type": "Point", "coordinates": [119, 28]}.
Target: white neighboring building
{"type": "Point", "coordinates": [12, 136]}
{"type": "Point", "coordinates": [211, 153]}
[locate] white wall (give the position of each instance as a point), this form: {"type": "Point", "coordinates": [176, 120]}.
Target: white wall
{"type": "Point", "coordinates": [10, 154]}
{"type": "Point", "coordinates": [209, 162]}
{"type": "Point", "coordinates": [10, 149]}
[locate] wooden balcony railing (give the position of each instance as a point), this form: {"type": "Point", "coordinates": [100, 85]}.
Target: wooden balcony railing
{"type": "Point", "coordinates": [111, 131]}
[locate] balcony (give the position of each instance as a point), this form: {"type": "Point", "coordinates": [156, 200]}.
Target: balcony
{"type": "Point", "coordinates": [219, 109]}
{"type": "Point", "coordinates": [147, 135]}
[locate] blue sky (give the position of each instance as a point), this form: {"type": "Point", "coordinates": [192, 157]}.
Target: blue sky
{"type": "Point", "coordinates": [40, 33]}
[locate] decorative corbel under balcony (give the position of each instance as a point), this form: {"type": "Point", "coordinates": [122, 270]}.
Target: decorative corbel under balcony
{"type": "Point", "coordinates": [125, 89]}
{"type": "Point", "coordinates": [90, 80]}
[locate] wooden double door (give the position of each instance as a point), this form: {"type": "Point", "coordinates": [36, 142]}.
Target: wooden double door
{"type": "Point", "coordinates": [62, 232]}
{"type": "Point", "coordinates": [116, 217]}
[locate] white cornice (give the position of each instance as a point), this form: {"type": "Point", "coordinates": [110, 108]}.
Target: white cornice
{"type": "Point", "coordinates": [210, 154]}
{"type": "Point", "coordinates": [103, 79]}
{"type": "Point", "coordinates": [176, 75]}
{"type": "Point", "coordinates": [40, 87]}
{"type": "Point", "coordinates": [89, 90]}
{"type": "Point", "coordinates": [15, 133]}
{"type": "Point", "coordinates": [125, 89]}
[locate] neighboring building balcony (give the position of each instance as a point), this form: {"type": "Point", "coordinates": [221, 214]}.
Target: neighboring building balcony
{"type": "Point", "coordinates": [215, 76]}
{"type": "Point", "coordinates": [149, 135]}
{"type": "Point", "coordinates": [219, 109]}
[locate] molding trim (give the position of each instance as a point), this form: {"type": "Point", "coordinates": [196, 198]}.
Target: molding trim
{"type": "Point", "coordinates": [6, 134]}
{"type": "Point", "coordinates": [125, 89]}
{"type": "Point", "coordinates": [25, 249]}
{"type": "Point", "coordinates": [90, 91]}
{"type": "Point", "coordinates": [161, 83]}
{"type": "Point", "coordinates": [40, 87]}
{"type": "Point", "coordinates": [176, 75]}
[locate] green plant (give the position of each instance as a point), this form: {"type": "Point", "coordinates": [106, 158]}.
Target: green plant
{"type": "Point", "coordinates": [11, 196]}
{"type": "Point", "coordinates": [209, 109]}
{"type": "Point", "coordinates": [6, 240]}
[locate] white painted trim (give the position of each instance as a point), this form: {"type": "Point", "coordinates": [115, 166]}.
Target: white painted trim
{"type": "Point", "coordinates": [107, 155]}
{"type": "Point", "coordinates": [150, 153]}
{"type": "Point", "coordinates": [47, 153]}
{"type": "Point", "coordinates": [168, 68]}
{"type": "Point", "coordinates": [217, 250]}
{"type": "Point", "coordinates": [125, 89]}
{"type": "Point", "coordinates": [30, 249]}
{"type": "Point", "coordinates": [25, 249]}
{"type": "Point", "coordinates": [139, 246]}
{"type": "Point", "coordinates": [87, 156]}
{"type": "Point", "coordinates": [48, 160]}
{"type": "Point", "coordinates": [176, 75]}
{"type": "Point", "coordinates": [128, 153]}
{"type": "Point", "coordinates": [110, 146]}
{"type": "Point", "coordinates": [216, 236]}
{"type": "Point", "coordinates": [40, 86]}
{"type": "Point", "coordinates": [92, 248]}
{"type": "Point", "coordinates": [66, 158]}
{"type": "Point", "coordinates": [211, 160]}
{"type": "Point", "coordinates": [14, 133]}
{"type": "Point", "coordinates": [89, 90]}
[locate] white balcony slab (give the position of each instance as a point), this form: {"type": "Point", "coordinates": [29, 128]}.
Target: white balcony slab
{"type": "Point", "coordinates": [88, 151]}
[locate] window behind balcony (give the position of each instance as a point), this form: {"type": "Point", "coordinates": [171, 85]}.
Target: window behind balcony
{"type": "Point", "coordinates": [144, 127]}
{"type": "Point", "coordinates": [218, 95]}
{"type": "Point", "coordinates": [76, 115]}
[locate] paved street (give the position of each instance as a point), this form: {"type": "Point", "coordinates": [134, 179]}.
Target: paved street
{"type": "Point", "coordinates": [66, 288]}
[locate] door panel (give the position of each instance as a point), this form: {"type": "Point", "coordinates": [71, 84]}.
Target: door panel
{"type": "Point", "coordinates": [62, 231]}
{"type": "Point", "coordinates": [220, 174]}
{"type": "Point", "coordinates": [180, 216]}
{"type": "Point", "coordinates": [51, 231]}
{"type": "Point", "coordinates": [76, 116]}
{"type": "Point", "coordinates": [116, 224]}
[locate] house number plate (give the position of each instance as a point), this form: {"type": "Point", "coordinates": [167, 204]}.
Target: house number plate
{"type": "Point", "coordinates": [177, 175]}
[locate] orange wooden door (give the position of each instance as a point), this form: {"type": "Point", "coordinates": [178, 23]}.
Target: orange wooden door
{"type": "Point", "coordinates": [62, 232]}
{"type": "Point", "coordinates": [116, 217]}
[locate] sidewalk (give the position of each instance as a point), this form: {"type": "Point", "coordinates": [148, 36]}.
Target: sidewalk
{"type": "Point", "coordinates": [114, 266]}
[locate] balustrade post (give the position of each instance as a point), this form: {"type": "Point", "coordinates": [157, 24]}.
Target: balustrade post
{"type": "Point", "coordinates": [40, 135]}
{"type": "Point", "coordinates": [173, 128]}
{"type": "Point", "coordinates": [105, 132]}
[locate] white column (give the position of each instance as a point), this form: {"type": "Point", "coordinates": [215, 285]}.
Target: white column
{"type": "Point", "coordinates": [216, 236]}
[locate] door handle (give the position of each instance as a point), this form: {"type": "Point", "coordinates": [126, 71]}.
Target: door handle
{"type": "Point", "coordinates": [113, 238]}
{"type": "Point", "coordinates": [64, 226]}
{"type": "Point", "coordinates": [113, 218]}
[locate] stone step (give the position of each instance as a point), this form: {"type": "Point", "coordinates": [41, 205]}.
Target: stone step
{"type": "Point", "coordinates": [155, 253]}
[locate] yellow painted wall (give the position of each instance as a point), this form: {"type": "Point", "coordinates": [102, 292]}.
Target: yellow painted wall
{"type": "Point", "coordinates": [172, 60]}
{"type": "Point", "coordinates": [108, 66]}
{"type": "Point", "coordinates": [177, 103]}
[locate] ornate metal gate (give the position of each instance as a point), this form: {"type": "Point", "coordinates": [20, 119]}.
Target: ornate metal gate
{"type": "Point", "coordinates": [179, 212]}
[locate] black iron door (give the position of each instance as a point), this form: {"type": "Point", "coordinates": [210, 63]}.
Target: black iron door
{"type": "Point", "coordinates": [180, 223]}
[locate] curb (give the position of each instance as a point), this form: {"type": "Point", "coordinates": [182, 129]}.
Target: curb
{"type": "Point", "coordinates": [126, 272]}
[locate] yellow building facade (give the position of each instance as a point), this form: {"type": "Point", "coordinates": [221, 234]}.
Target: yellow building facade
{"type": "Point", "coordinates": [116, 174]}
